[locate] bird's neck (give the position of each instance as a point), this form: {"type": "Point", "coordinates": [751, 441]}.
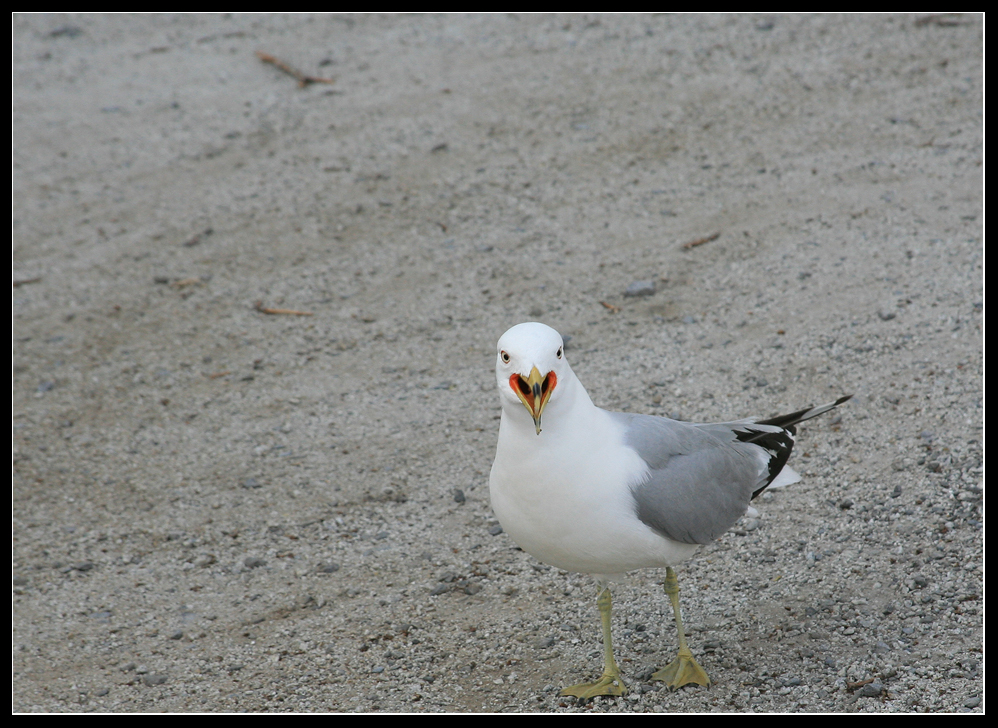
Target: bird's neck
{"type": "Point", "coordinates": [561, 417]}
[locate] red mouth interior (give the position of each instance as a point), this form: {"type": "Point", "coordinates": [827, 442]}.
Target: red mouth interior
{"type": "Point", "coordinates": [518, 384]}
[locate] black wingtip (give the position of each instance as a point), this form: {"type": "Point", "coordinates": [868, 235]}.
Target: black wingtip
{"type": "Point", "coordinates": [805, 414]}
{"type": "Point", "coordinates": [779, 444]}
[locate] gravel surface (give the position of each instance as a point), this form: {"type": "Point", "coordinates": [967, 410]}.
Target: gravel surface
{"type": "Point", "coordinates": [217, 508]}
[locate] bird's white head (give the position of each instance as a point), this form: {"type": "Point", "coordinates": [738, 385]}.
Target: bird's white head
{"type": "Point", "coordinates": [530, 368]}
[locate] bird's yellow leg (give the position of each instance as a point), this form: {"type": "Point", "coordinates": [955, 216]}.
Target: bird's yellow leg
{"type": "Point", "coordinates": [684, 669]}
{"type": "Point", "coordinates": [610, 683]}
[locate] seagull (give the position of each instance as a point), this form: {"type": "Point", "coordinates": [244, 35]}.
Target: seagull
{"type": "Point", "coordinates": [604, 493]}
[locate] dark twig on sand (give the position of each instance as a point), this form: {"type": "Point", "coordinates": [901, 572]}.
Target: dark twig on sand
{"type": "Point", "coordinates": [303, 79]}
{"type": "Point", "coordinates": [701, 241]}
{"type": "Point", "coordinates": [279, 311]}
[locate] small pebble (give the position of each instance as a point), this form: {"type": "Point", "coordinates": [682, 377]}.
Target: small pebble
{"type": "Point", "coordinates": [640, 288]}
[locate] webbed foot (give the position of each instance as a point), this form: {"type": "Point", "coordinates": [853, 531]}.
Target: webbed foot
{"type": "Point", "coordinates": [606, 685]}
{"type": "Point", "coordinates": [684, 670]}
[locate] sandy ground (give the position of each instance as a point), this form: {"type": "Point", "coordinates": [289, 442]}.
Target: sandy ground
{"type": "Point", "coordinates": [216, 508]}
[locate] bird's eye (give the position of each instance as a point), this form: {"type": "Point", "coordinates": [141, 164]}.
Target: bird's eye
{"type": "Point", "coordinates": [504, 356]}
{"type": "Point", "coordinates": [559, 352]}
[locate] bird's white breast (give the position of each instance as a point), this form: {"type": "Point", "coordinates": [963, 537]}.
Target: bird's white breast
{"type": "Point", "coordinates": [564, 496]}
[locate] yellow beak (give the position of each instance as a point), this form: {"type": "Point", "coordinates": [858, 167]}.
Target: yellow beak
{"type": "Point", "coordinates": [534, 391]}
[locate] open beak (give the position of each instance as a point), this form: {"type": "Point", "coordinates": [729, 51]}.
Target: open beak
{"type": "Point", "coordinates": [534, 391]}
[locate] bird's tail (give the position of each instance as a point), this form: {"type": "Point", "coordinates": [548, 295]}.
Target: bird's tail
{"type": "Point", "coordinates": [778, 439]}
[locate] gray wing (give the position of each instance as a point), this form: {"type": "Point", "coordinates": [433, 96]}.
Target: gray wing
{"type": "Point", "coordinates": [704, 475]}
